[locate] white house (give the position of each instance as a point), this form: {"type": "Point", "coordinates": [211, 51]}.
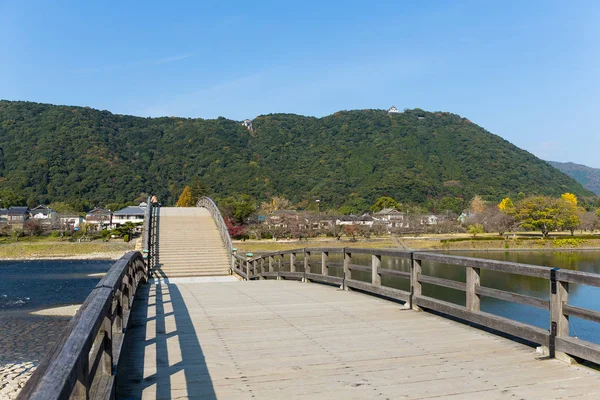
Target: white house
{"type": "Point", "coordinates": [133, 214]}
{"type": "Point", "coordinates": [392, 217]}
{"type": "Point", "coordinates": [363, 220]}
{"type": "Point", "coordinates": [42, 213]}
{"type": "Point", "coordinates": [70, 221]}
{"type": "Point", "coordinates": [100, 217]}
{"type": "Point", "coordinates": [393, 110]}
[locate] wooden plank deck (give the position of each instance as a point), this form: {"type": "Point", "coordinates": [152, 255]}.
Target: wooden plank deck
{"type": "Point", "coordinates": [287, 340]}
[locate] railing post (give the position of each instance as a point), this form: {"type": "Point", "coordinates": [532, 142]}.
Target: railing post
{"type": "Point", "coordinates": [125, 293]}
{"type": "Point", "coordinates": [118, 323]}
{"type": "Point", "coordinates": [247, 269]}
{"type": "Point", "coordinates": [473, 282]}
{"type": "Point", "coordinates": [324, 267]}
{"type": "Point", "coordinates": [559, 322]}
{"type": "Point", "coordinates": [415, 285]}
{"type": "Point", "coordinates": [292, 262]}
{"type": "Point", "coordinates": [279, 264]}
{"type": "Point", "coordinates": [234, 261]}
{"type": "Point", "coordinates": [262, 267]}
{"type": "Point", "coordinates": [271, 260]}
{"type": "Point", "coordinates": [107, 356]}
{"type": "Point", "coordinates": [81, 391]}
{"type": "Point", "coordinates": [306, 263]}
{"type": "Point", "coordinates": [347, 271]}
{"type": "Point", "coordinates": [375, 265]}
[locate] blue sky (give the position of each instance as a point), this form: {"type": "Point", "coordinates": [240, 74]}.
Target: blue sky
{"type": "Point", "coordinates": [525, 70]}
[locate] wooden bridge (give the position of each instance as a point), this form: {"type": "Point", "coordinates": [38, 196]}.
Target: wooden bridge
{"type": "Point", "coordinates": [310, 323]}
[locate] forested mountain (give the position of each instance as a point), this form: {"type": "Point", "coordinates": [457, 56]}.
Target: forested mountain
{"type": "Point", "coordinates": [589, 177]}
{"type": "Point", "coordinates": [62, 153]}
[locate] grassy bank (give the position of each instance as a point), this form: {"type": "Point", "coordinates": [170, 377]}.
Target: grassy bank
{"type": "Point", "coordinates": [430, 242]}
{"type": "Point", "coordinates": [265, 246]}
{"type": "Point", "coordinates": [34, 248]}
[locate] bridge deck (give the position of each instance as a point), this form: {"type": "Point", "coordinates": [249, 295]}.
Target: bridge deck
{"type": "Point", "coordinates": [285, 340]}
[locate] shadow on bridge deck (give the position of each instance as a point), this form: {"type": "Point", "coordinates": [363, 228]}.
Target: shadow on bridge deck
{"type": "Point", "coordinates": [164, 356]}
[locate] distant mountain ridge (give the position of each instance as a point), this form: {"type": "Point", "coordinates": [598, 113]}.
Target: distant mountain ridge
{"type": "Point", "coordinates": [588, 177]}
{"type": "Point", "coordinates": [350, 158]}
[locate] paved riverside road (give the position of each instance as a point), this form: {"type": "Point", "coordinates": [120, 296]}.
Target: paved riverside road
{"type": "Point", "coordinates": [290, 340]}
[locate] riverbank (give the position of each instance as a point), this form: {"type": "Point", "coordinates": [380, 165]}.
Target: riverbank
{"type": "Point", "coordinates": [13, 377]}
{"type": "Point", "coordinates": [55, 249]}
{"type": "Point", "coordinates": [459, 242]}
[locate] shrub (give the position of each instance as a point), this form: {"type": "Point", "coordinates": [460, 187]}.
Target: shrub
{"type": "Point", "coordinates": [567, 242]}
{"type": "Point", "coordinates": [126, 238]}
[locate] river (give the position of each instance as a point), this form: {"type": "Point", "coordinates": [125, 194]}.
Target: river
{"type": "Point", "coordinates": [27, 286]}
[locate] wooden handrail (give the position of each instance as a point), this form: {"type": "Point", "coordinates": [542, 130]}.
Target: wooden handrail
{"type": "Point", "coordinates": [82, 363]}
{"type": "Point", "coordinates": [211, 206]}
{"type": "Point", "coordinates": [283, 265]}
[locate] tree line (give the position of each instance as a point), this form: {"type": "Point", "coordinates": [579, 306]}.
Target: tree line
{"type": "Point", "coordinates": [434, 160]}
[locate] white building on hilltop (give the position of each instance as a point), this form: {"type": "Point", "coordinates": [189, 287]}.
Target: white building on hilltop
{"type": "Point", "coordinates": [248, 124]}
{"type": "Point", "coordinates": [394, 110]}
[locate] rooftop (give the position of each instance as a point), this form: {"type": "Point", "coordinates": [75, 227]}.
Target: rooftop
{"type": "Point", "coordinates": [131, 210]}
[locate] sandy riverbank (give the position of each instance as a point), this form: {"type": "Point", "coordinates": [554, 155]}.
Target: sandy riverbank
{"type": "Point", "coordinates": [13, 377]}
{"type": "Point", "coordinates": [57, 250]}
{"type": "Point", "coordinates": [63, 311]}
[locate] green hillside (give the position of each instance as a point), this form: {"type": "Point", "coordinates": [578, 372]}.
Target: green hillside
{"type": "Point", "coordinates": [587, 176]}
{"type": "Point", "coordinates": [62, 153]}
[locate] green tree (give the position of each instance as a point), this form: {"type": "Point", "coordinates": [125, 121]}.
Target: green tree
{"type": "Point", "coordinates": [9, 198]}
{"type": "Point", "coordinates": [475, 229]}
{"type": "Point", "coordinates": [238, 207]}
{"type": "Point", "coordinates": [198, 189]}
{"type": "Point", "coordinates": [62, 207]}
{"type": "Point", "coordinates": [185, 199]}
{"type": "Point", "coordinates": [384, 202]}
{"type": "Point", "coordinates": [453, 204]}
{"type": "Point", "coordinates": [539, 213]}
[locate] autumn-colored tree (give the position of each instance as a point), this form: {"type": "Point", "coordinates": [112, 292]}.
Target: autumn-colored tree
{"type": "Point", "coordinates": [235, 231]}
{"type": "Point", "coordinates": [276, 203]}
{"type": "Point", "coordinates": [351, 231]}
{"type": "Point", "coordinates": [185, 199]}
{"type": "Point", "coordinates": [477, 205]}
{"type": "Point", "coordinates": [506, 205]}
{"type": "Point", "coordinates": [569, 213]}
{"type": "Point", "coordinates": [569, 198]}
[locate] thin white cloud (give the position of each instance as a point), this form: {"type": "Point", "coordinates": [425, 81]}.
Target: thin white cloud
{"type": "Point", "coordinates": [167, 60]}
{"type": "Point", "coordinates": [137, 64]}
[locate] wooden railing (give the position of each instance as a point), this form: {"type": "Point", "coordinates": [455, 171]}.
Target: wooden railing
{"type": "Point", "coordinates": [147, 239]}
{"type": "Point", "coordinates": [82, 363]}
{"type": "Point", "coordinates": [556, 339]}
{"type": "Point", "coordinates": [210, 205]}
